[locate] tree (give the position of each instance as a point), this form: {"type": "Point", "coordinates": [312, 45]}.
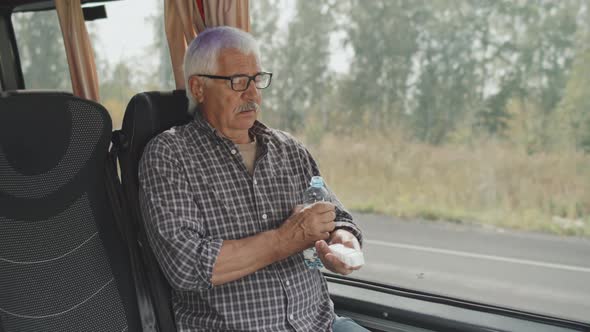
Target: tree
{"type": "Point", "coordinates": [265, 15]}
{"type": "Point", "coordinates": [298, 58]}
{"type": "Point", "coordinates": [163, 77]}
{"type": "Point", "coordinates": [546, 47]}
{"type": "Point", "coordinates": [573, 112]}
{"type": "Point", "coordinates": [116, 89]}
{"type": "Point", "coordinates": [383, 36]}
{"type": "Point", "coordinates": [451, 77]}
{"type": "Point", "coordinates": [42, 51]}
{"type": "Point", "coordinates": [305, 77]}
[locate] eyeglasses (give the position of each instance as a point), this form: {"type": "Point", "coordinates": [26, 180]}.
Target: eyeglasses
{"type": "Point", "coordinates": [241, 82]}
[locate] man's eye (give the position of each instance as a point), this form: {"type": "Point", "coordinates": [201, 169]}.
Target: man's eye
{"type": "Point", "coordinates": [240, 80]}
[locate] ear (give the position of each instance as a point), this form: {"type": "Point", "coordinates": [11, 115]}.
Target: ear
{"type": "Point", "coordinates": [196, 86]}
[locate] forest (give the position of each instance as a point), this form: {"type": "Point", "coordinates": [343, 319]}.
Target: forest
{"type": "Point", "coordinates": [460, 110]}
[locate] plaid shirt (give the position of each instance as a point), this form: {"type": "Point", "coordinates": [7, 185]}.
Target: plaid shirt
{"type": "Point", "coordinates": [195, 192]}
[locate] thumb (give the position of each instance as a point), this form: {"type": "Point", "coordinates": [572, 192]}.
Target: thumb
{"type": "Point", "coordinates": [297, 208]}
{"type": "Point", "coordinates": [322, 247]}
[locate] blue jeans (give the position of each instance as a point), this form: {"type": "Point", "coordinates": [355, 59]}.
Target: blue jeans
{"type": "Point", "coordinates": [345, 324]}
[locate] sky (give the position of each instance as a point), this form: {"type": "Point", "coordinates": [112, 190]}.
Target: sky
{"type": "Point", "coordinates": [128, 31]}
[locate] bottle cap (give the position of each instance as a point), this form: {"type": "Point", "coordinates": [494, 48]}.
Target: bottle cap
{"type": "Point", "coordinates": [317, 181]}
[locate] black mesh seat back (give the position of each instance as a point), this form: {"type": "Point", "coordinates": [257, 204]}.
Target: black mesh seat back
{"type": "Point", "coordinates": [63, 263]}
{"type": "Point", "coordinates": [147, 115]}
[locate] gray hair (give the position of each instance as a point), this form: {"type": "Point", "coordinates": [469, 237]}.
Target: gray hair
{"type": "Point", "coordinates": [203, 53]}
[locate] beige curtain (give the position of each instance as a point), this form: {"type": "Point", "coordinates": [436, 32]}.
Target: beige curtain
{"type": "Point", "coordinates": [185, 18]}
{"type": "Point", "coordinates": [227, 12]}
{"type": "Point", "coordinates": [78, 49]}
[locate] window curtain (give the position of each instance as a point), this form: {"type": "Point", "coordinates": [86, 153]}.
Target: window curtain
{"type": "Point", "coordinates": [184, 19]}
{"type": "Point", "coordinates": [78, 49]}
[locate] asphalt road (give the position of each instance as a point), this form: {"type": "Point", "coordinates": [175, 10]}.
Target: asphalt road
{"type": "Point", "coordinates": [527, 271]}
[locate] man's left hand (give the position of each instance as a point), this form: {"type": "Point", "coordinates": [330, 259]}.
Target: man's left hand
{"type": "Point", "coordinates": [330, 261]}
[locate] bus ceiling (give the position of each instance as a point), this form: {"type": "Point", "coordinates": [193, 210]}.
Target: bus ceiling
{"type": "Point", "coordinates": [40, 5]}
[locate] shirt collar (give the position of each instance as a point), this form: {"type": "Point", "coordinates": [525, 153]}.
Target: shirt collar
{"type": "Point", "coordinates": [258, 130]}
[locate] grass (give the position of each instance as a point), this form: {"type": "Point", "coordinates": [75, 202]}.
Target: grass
{"type": "Point", "coordinates": [489, 183]}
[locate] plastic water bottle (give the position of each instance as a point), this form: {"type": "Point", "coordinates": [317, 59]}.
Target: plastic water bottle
{"type": "Point", "coordinates": [316, 192]}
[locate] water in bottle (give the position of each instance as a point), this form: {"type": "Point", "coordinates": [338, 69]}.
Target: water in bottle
{"type": "Point", "coordinates": [316, 192]}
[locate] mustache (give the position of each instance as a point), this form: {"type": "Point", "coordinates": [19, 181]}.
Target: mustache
{"type": "Point", "coordinates": [249, 106]}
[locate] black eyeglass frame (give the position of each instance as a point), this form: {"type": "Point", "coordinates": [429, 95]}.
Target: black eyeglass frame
{"type": "Point", "coordinates": [231, 79]}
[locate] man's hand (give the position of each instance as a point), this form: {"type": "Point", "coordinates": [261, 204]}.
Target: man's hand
{"type": "Point", "coordinates": [330, 261]}
{"type": "Point", "coordinates": [307, 225]}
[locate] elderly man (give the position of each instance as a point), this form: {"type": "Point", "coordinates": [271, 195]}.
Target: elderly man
{"type": "Point", "coordinates": [221, 202]}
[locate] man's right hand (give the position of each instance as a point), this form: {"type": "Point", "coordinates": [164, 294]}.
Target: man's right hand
{"type": "Point", "coordinates": [307, 225]}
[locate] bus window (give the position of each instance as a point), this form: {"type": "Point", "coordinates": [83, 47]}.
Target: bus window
{"type": "Point", "coordinates": [41, 49]}
{"type": "Point", "coordinates": [457, 132]}
{"type": "Point", "coordinates": [131, 53]}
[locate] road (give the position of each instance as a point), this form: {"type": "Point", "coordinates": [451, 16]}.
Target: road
{"type": "Point", "coordinates": [527, 271]}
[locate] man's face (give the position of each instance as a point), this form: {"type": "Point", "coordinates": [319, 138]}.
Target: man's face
{"type": "Point", "coordinates": [220, 104]}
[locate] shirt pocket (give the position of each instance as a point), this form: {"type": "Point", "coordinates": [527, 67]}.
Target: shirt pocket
{"type": "Point", "coordinates": [222, 208]}
{"type": "Point", "coordinates": [287, 191]}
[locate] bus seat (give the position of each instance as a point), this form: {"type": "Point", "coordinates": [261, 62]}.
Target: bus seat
{"type": "Point", "coordinates": [148, 114]}
{"type": "Point", "coordinates": [63, 263]}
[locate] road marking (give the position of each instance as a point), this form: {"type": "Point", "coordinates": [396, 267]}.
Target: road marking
{"type": "Point", "coordinates": [481, 256]}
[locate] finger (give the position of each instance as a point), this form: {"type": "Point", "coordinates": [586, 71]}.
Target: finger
{"type": "Point", "coordinates": [323, 250]}
{"type": "Point", "coordinates": [297, 208]}
{"type": "Point", "coordinates": [322, 247]}
{"type": "Point", "coordinates": [332, 226]}
{"type": "Point", "coordinates": [345, 238]}
{"type": "Point", "coordinates": [326, 227]}
{"type": "Point", "coordinates": [327, 217]}
{"type": "Point", "coordinates": [321, 207]}
{"type": "Point", "coordinates": [330, 214]}
{"type": "Point", "coordinates": [348, 244]}
{"type": "Point", "coordinates": [354, 243]}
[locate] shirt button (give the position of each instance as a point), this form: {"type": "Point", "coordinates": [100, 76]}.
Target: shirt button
{"type": "Point", "coordinates": [288, 283]}
{"type": "Point", "coordinates": [291, 317]}
{"type": "Point", "coordinates": [233, 151]}
{"type": "Point", "coordinates": [255, 182]}
{"type": "Point", "coordinates": [264, 216]}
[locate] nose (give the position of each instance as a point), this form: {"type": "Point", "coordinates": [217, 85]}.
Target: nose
{"type": "Point", "coordinates": [251, 92]}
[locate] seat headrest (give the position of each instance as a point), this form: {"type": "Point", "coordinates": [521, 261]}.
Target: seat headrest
{"type": "Point", "coordinates": [147, 115]}
{"type": "Point", "coordinates": [150, 113]}
{"type": "Point", "coordinates": [38, 130]}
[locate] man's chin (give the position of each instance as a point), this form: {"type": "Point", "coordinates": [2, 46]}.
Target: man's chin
{"type": "Point", "coordinates": [246, 119]}
{"type": "Point", "coordinates": [248, 116]}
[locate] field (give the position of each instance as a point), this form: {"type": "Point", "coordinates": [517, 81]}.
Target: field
{"type": "Point", "coordinates": [488, 183]}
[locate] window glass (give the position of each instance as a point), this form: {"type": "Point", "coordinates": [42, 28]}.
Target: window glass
{"type": "Point", "coordinates": [457, 132]}
{"type": "Point", "coordinates": [41, 49]}
{"type": "Point", "coordinates": [131, 53]}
